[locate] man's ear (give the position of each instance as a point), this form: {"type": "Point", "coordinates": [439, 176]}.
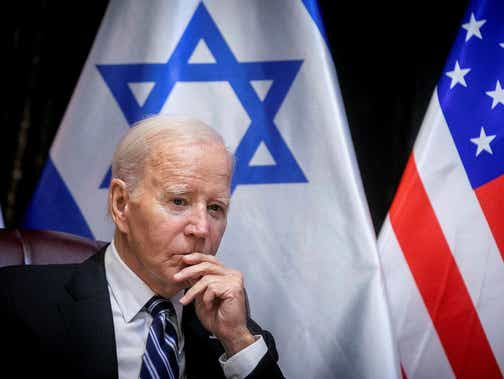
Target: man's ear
{"type": "Point", "coordinates": [118, 198]}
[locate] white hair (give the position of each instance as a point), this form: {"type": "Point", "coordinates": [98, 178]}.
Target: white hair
{"type": "Point", "coordinates": [134, 149]}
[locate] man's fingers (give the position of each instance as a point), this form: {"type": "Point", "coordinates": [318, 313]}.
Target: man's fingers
{"type": "Point", "coordinates": [209, 296]}
{"type": "Point", "coordinates": [211, 279]}
{"type": "Point", "coordinates": [198, 288]}
{"type": "Point", "coordinates": [195, 258]}
{"type": "Point", "coordinates": [217, 285]}
{"type": "Point", "coordinates": [196, 271]}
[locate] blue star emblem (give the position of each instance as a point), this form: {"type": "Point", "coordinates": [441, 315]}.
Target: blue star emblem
{"type": "Point", "coordinates": [226, 68]}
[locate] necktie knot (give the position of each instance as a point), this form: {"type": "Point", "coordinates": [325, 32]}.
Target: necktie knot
{"type": "Point", "coordinates": [157, 305]}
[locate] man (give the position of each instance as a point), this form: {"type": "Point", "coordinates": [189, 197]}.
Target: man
{"type": "Point", "coordinates": [169, 197]}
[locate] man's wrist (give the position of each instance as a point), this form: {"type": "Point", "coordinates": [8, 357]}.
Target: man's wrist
{"type": "Point", "coordinates": [237, 342]}
{"type": "Point", "coordinates": [241, 364]}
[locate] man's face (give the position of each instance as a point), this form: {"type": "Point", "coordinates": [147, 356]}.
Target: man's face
{"type": "Point", "coordinates": [179, 207]}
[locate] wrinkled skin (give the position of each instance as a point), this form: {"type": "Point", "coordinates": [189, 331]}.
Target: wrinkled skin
{"type": "Point", "coordinates": [169, 229]}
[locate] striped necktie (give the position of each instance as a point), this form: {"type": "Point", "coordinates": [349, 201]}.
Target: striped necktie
{"type": "Point", "coordinates": [161, 352]}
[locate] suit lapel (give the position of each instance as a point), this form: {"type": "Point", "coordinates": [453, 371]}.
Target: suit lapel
{"type": "Point", "coordinates": [88, 319]}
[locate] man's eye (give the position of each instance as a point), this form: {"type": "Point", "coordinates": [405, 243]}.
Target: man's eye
{"type": "Point", "coordinates": [215, 208]}
{"type": "Point", "coordinates": [179, 201]}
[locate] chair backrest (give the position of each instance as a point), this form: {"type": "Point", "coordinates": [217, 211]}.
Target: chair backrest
{"type": "Point", "coordinates": [22, 247]}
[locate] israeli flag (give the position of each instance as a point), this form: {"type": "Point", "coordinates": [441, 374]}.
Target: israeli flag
{"type": "Point", "coordinates": [299, 229]}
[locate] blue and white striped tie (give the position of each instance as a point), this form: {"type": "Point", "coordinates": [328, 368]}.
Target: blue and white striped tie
{"type": "Point", "coordinates": [161, 352]}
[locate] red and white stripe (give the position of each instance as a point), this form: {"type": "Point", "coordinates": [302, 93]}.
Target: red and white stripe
{"type": "Point", "coordinates": [443, 269]}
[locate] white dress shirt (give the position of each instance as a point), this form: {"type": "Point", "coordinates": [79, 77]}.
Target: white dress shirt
{"type": "Point", "coordinates": [128, 295]}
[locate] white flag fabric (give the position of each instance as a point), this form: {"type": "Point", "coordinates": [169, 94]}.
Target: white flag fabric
{"type": "Point", "coordinates": [260, 72]}
{"type": "Point", "coordinates": [442, 245]}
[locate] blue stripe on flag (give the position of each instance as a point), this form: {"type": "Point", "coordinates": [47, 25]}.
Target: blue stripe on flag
{"type": "Point", "coordinates": [53, 207]}
{"type": "Point", "coordinates": [313, 9]}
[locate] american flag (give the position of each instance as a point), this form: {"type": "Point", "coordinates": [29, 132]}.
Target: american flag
{"type": "Point", "coordinates": [442, 244]}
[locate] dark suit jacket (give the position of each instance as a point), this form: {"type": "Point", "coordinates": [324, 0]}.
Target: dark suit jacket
{"type": "Point", "coordinates": [57, 322]}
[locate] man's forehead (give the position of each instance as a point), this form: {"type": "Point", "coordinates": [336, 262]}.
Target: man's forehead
{"type": "Point", "coordinates": [189, 153]}
{"type": "Point", "coordinates": [184, 168]}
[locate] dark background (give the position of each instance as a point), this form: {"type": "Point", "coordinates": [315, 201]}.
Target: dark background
{"type": "Point", "coordinates": [388, 55]}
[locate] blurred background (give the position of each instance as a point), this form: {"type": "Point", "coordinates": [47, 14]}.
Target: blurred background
{"type": "Point", "coordinates": [388, 57]}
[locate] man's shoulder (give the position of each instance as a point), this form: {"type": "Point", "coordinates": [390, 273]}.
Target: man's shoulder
{"type": "Point", "coordinates": [29, 278]}
{"type": "Point", "coordinates": [41, 289]}
{"type": "Point", "coordinates": [36, 271]}
{"type": "Point", "coordinates": [49, 272]}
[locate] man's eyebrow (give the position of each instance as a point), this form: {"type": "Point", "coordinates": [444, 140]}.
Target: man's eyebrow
{"type": "Point", "coordinates": [177, 189]}
{"type": "Point", "coordinates": [182, 189]}
{"type": "Point", "coordinates": [224, 200]}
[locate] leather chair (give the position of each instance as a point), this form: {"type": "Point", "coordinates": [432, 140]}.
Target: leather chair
{"type": "Point", "coordinates": [22, 247]}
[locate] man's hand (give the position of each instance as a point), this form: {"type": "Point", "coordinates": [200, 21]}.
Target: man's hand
{"type": "Point", "coordinates": [219, 298]}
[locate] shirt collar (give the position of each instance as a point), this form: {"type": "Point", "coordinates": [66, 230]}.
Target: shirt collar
{"type": "Point", "coordinates": [130, 292]}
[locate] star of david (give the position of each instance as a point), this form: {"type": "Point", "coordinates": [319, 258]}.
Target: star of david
{"type": "Point", "coordinates": [226, 68]}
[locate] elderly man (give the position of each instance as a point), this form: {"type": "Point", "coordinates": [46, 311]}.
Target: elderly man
{"type": "Point", "coordinates": [155, 303]}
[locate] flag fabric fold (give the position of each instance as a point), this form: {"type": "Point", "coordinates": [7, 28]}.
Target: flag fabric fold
{"type": "Point", "coordinates": [442, 244]}
{"type": "Point", "coordinates": [299, 229]}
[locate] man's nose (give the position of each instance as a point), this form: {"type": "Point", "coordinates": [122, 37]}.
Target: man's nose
{"type": "Point", "coordinates": [198, 225]}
